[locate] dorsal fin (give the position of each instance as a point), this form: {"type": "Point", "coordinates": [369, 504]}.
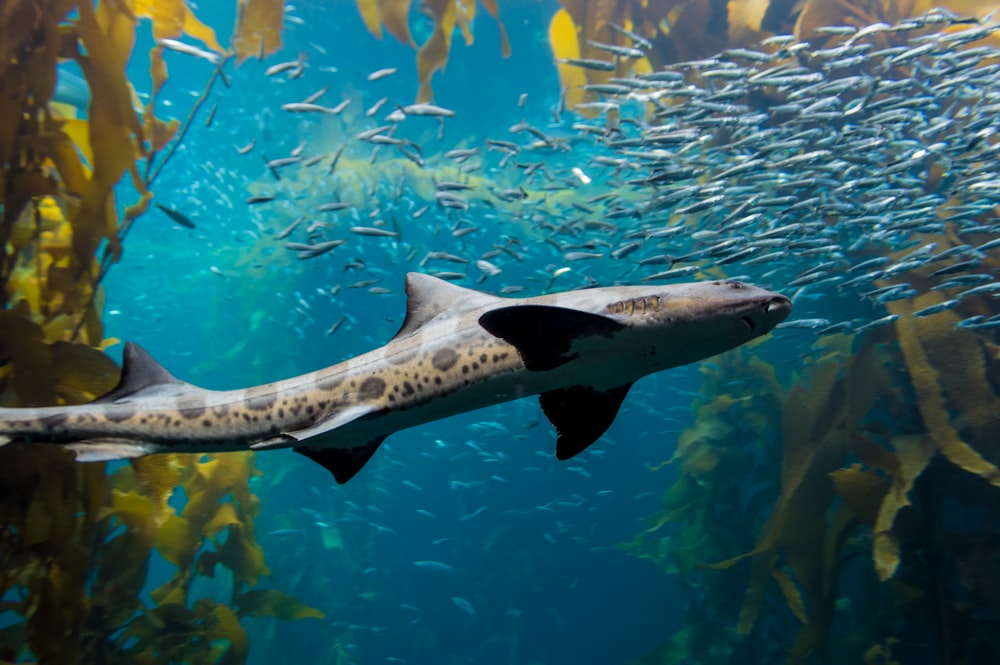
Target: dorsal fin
{"type": "Point", "coordinates": [428, 297]}
{"type": "Point", "coordinates": [142, 377]}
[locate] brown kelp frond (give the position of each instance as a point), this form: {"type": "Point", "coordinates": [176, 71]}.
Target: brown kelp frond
{"type": "Point", "coordinates": [873, 436]}
{"type": "Point", "coordinates": [677, 31]}
{"type": "Point", "coordinates": [433, 53]}
{"type": "Point", "coordinates": [258, 28]}
{"type": "Point", "coordinates": [75, 544]}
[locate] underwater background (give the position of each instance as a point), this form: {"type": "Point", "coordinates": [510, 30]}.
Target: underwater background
{"type": "Point", "coordinates": [828, 494]}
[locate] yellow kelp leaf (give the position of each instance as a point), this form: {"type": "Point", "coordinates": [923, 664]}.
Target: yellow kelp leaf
{"type": "Point", "coordinates": [167, 16]}
{"type": "Point", "coordinates": [745, 18]}
{"type": "Point", "coordinates": [227, 626]}
{"type": "Point", "coordinates": [157, 71]}
{"type": "Point", "coordinates": [564, 42]}
{"type": "Point", "coordinates": [172, 18]}
{"type": "Point", "coordinates": [395, 14]}
{"type": "Point", "coordinates": [861, 491]}
{"type": "Point", "coordinates": [243, 556]}
{"type": "Point", "coordinates": [491, 7]}
{"type": "Point", "coordinates": [793, 597]}
{"type": "Point", "coordinates": [465, 15]}
{"type": "Point", "coordinates": [82, 373]}
{"type": "Point", "coordinates": [226, 516]}
{"type": "Point", "coordinates": [434, 53]}
{"type": "Point", "coordinates": [200, 31]}
{"type": "Point", "coordinates": [271, 602]}
{"type": "Point", "coordinates": [258, 28]}
{"type": "Point", "coordinates": [177, 541]}
{"type": "Point", "coordinates": [697, 446]}
{"type": "Point", "coordinates": [930, 400]}
{"type": "Point", "coordinates": [66, 148]}
{"type": "Point", "coordinates": [173, 591]}
{"type": "Point", "coordinates": [369, 15]}
{"type": "Point", "coordinates": [819, 13]}
{"type": "Point", "coordinates": [158, 475]}
{"type": "Point", "coordinates": [23, 343]}
{"type": "Point", "coordinates": [161, 133]}
{"type": "Point", "coordinates": [136, 512]}
{"type": "Point", "coordinates": [112, 123]}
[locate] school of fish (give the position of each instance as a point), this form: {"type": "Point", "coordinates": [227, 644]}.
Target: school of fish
{"type": "Point", "coordinates": [812, 169]}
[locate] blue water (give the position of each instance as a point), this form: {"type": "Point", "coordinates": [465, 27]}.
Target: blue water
{"type": "Point", "coordinates": [465, 540]}
{"type": "Point", "coordinates": [532, 544]}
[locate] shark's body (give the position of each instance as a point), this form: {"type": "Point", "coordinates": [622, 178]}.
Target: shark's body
{"type": "Point", "coordinates": [458, 350]}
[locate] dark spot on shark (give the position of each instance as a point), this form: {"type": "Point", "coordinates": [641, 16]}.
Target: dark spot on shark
{"type": "Point", "coordinates": [119, 414]}
{"type": "Point", "coordinates": [52, 422]}
{"type": "Point", "coordinates": [206, 423]}
{"type": "Point", "coordinates": [482, 358]}
{"type": "Point", "coordinates": [371, 388]}
{"type": "Point", "coordinates": [192, 412]}
{"type": "Point", "coordinates": [407, 388]}
{"type": "Point", "coordinates": [444, 359]}
{"type": "Point", "coordinates": [465, 369]}
{"type": "Point", "coordinates": [437, 380]}
{"type": "Point", "coordinates": [261, 402]}
{"type": "Point", "coordinates": [329, 383]}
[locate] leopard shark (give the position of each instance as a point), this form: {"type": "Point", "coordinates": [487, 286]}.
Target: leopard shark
{"type": "Point", "coordinates": [458, 350]}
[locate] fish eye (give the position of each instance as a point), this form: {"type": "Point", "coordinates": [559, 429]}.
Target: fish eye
{"type": "Point", "coordinates": [734, 284]}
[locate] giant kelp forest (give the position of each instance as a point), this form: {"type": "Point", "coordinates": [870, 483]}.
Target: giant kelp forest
{"type": "Point", "coordinates": [76, 540]}
{"type": "Point", "coordinates": [879, 525]}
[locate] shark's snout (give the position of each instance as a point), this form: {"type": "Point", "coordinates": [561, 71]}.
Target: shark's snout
{"type": "Point", "coordinates": [765, 313]}
{"type": "Point", "coordinates": [778, 306]}
{"type": "Point", "coordinates": [768, 314]}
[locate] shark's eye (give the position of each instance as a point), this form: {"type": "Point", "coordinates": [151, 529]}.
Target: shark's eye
{"type": "Point", "coordinates": [734, 284]}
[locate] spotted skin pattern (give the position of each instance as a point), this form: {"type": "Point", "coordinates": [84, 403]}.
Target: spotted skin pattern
{"type": "Point", "coordinates": [458, 350]}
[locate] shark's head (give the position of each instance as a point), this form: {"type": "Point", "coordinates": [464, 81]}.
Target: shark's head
{"type": "Point", "coordinates": [684, 323]}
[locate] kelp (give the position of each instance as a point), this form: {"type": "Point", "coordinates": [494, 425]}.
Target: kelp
{"type": "Point", "coordinates": [685, 30]}
{"type": "Point", "coordinates": [258, 28]}
{"type": "Point", "coordinates": [879, 435]}
{"type": "Point", "coordinates": [75, 543]}
{"type": "Point", "coordinates": [433, 53]}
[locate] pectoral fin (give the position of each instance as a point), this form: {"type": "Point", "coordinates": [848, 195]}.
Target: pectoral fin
{"type": "Point", "coordinates": [581, 415]}
{"type": "Point", "coordinates": [544, 335]}
{"type": "Point", "coordinates": [343, 463]}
